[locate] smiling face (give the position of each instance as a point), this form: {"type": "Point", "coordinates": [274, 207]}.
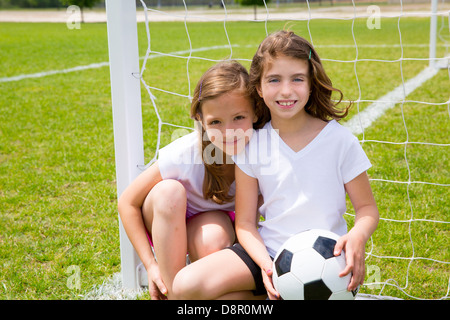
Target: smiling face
{"type": "Point", "coordinates": [228, 121]}
{"type": "Point", "coordinates": [285, 87]}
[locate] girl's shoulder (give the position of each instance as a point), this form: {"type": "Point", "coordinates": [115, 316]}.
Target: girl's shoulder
{"type": "Point", "coordinates": [340, 132]}
{"type": "Point", "coordinates": [182, 152]}
{"type": "Point", "coordinates": [264, 130]}
{"type": "Point", "coordinates": [182, 144]}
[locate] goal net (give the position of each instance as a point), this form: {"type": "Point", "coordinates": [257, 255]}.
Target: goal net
{"type": "Point", "coordinates": [390, 58]}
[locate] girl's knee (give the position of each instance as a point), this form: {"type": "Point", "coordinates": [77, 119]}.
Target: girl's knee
{"type": "Point", "coordinates": [185, 286]}
{"type": "Point", "coordinates": [209, 233]}
{"type": "Point", "coordinates": [203, 246]}
{"type": "Point", "coordinates": [169, 189]}
{"type": "Point", "coordinates": [166, 198]}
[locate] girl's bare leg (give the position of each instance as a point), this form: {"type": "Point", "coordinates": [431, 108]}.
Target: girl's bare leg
{"type": "Point", "coordinates": [209, 232]}
{"type": "Point", "coordinates": [220, 275]}
{"type": "Point", "coordinates": [164, 212]}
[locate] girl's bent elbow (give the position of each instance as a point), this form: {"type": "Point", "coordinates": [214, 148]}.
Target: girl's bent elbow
{"type": "Point", "coordinates": [121, 205]}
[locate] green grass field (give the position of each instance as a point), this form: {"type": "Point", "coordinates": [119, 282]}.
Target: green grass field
{"type": "Point", "coordinates": [57, 170]}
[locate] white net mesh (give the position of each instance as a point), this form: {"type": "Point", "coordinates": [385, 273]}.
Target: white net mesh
{"type": "Point", "coordinates": [379, 57]}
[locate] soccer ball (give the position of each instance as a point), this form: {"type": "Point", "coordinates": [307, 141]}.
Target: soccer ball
{"type": "Point", "coordinates": [305, 268]}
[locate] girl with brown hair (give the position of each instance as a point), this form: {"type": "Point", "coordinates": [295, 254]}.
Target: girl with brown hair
{"type": "Point", "coordinates": [184, 202]}
{"type": "Point", "coordinates": [318, 162]}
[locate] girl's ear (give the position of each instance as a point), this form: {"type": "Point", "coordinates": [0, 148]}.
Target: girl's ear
{"type": "Point", "coordinates": [258, 89]}
{"type": "Point", "coordinates": [198, 119]}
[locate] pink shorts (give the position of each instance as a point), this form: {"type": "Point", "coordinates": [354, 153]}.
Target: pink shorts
{"type": "Point", "coordinates": [189, 216]}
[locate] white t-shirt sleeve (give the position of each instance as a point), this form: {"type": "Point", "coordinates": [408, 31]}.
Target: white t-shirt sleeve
{"type": "Point", "coordinates": [177, 158]}
{"type": "Point", "coordinates": [355, 161]}
{"type": "Point", "coordinates": [166, 166]}
{"type": "Point", "coordinates": [240, 161]}
{"type": "Point", "coordinates": [181, 160]}
{"type": "Point", "coordinates": [257, 157]}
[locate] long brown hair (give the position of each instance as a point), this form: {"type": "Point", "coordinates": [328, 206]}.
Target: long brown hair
{"type": "Point", "coordinates": [222, 78]}
{"type": "Point", "coordinates": [287, 43]}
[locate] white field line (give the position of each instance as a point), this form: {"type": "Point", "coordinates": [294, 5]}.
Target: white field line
{"type": "Point", "coordinates": [106, 64]}
{"type": "Point", "coordinates": [112, 289]}
{"type": "Point", "coordinates": [52, 72]}
{"type": "Point", "coordinates": [365, 118]}
{"type": "Point", "coordinates": [99, 65]}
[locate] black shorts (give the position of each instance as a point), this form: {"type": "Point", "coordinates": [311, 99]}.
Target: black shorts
{"type": "Point", "coordinates": [253, 267]}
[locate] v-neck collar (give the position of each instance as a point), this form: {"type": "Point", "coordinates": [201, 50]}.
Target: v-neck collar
{"type": "Point", "coordinates": [308, 147]}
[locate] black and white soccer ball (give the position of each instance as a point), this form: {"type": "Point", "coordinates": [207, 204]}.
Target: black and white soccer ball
{"type": "Point", "coordinates": [305, 268]}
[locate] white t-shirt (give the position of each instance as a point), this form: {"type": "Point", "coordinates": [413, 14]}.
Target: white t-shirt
{"type": "Point", "coordinates": [302, 190]}
{"type": "Point", "coordinates": [181, 160]}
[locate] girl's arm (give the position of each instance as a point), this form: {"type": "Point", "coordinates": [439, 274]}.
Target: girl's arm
{"type": "Point", "coordinates": [129, 205]}
{"type": "Point", "coordinates": [246, 230]}
{"type": "Point", "coordinates": [366, 221]}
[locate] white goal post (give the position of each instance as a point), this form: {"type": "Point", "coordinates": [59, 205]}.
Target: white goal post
{"type": "Point", "coordinates": [127, 113]}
